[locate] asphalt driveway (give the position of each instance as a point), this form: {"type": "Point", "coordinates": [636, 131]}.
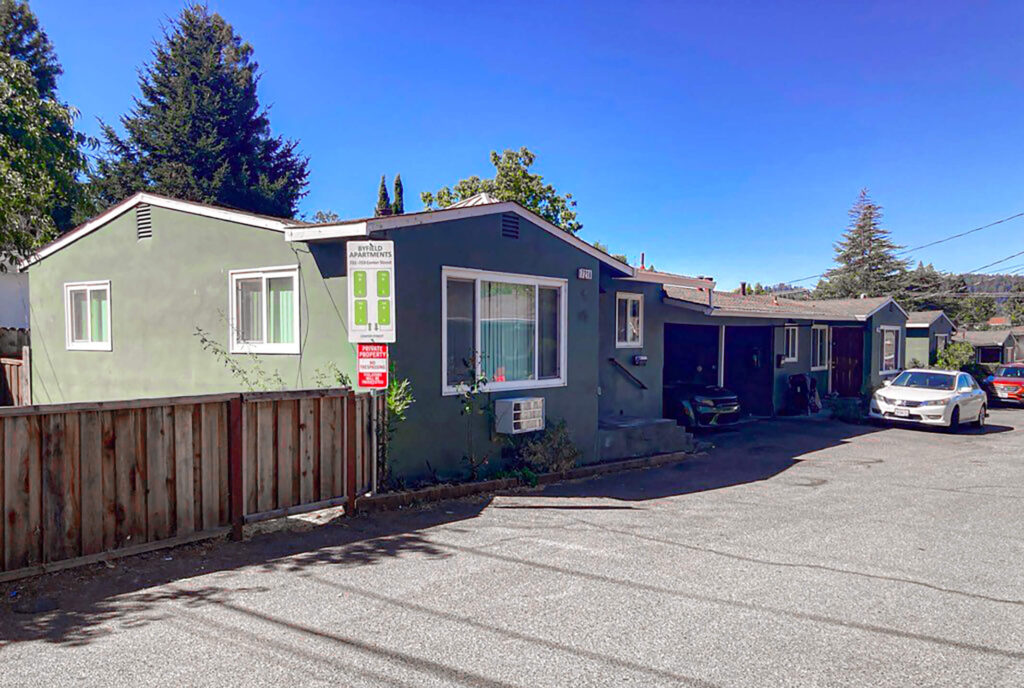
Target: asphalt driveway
{"type": "Point", "coordinates": [797, 552]}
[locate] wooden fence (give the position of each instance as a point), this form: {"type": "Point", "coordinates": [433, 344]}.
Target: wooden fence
{"type": "Point", "coordinates": [81, 481]}
{"type": "Point", "coordinates": [14, 380]}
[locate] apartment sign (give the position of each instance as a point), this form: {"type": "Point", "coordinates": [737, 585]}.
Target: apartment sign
{"type": "Point", "coordinates": [372, 366]}
{"type": "Point", "coordinates": [371, 292]}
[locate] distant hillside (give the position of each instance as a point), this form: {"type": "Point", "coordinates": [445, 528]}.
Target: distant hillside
{"type": "Point", "coordinates": [993, 283]}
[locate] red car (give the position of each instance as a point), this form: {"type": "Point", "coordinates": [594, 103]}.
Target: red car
{"type": "Point", "coordinates": [1007, 384]}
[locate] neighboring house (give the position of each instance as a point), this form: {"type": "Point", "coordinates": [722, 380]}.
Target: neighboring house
{"type": "Point", "coordinates": [999, 321]}
{"type": "Point", "coordinates": [991, 347]}
{"type": "Point", "coordinates": [750, 344]}
{"type": "Point", "coordinates": [1018, 333]}
{"type": "Point", "coordinates": [13, 300]}
{"type": "Point", "coordinates": [118, 303]}
{"type": "Point", "coordinates": [928, 333]}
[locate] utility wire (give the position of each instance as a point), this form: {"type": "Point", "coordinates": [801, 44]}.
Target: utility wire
{"type": "Point", "coordinates": [906, 251]}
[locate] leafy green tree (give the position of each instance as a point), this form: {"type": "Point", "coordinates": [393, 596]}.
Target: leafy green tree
{"type": "Point", "coordinates": [866, 260]}
{"type": "Point", "coordinates": [955, 356]}
{"type": "Point", "coordinates": [1015, 305]}
{"type": "Point", "coordinates": [513, 181]}
{"type": "Point", "coordinates": [22, 38]}
{"type": "Point", "coordinates": [198, 131]}
{"type": "Point", "coordinates": [40, 159]}
{"type": "Point", "coordinates": [621, 257]}
{"type": "Point", "coordinates": [383, 200]}
{"type": "Point", "coordinates": [398, 207]}
{"type": "Point", "coordinates": [975, 312]}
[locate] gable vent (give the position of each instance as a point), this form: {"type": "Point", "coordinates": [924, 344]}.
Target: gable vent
{"type": "Point", "coordinates": [510, 226]}
{"type": "Point", "coordinates": [143, 221]}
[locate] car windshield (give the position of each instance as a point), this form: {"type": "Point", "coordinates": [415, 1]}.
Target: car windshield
{"type": "Point", "coordinates": [923, 380]}
{"type": "Point", "coordinates": [1011, 372]}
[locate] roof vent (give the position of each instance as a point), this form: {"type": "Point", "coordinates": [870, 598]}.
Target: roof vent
{"type": "Point", "coordinates": [143, 221]}
{"type": "Point", "coordinates": [510, 226]}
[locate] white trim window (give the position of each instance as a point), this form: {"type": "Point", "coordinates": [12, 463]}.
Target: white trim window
{"type": "Point", "coordinates": [264, 310]}
{"type": "Point", "coordinates": [890, 358]}
{"type": "Point", "coordinates": [629, 320]}
{"type": "Point", "coordinates": [941, 341]}
{"type": "Point", "coordinates": [87, 316]}
{"type": "Point", "coordinates": [507, 329]}
{"type": "Point", "coordinates": [819, 348]}
{"type": "Point", "coordinates": [791, 350]}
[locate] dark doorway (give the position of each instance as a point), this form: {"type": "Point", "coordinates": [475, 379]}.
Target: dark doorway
{"type": "Point", "coordinates": [748, 368]}
{"type": "Point", "coordinates": [847, 360]}
{"type": "Point", "coordinates": [691, 354]}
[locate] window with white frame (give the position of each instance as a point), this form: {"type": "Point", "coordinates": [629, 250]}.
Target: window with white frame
{"type": "Point", "coordinates": [792, 350]}
{"type": "Point", "coordinates": [507, 329]}
{"type": "Point", "coordinates": [890, 350]}
{"type": "Point", "coordinates": [941, 341]}
{"type": "Point", "coordinates": [87, 315]}
{"type": "Point", "coordinates": [264, 310]}
{"type": "Point", "coordinates": [819, 347]}
{"type": "Point", "coordinates": [629, 320]}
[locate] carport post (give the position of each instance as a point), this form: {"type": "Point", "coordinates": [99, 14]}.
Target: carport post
{"type": "Point", "coordinates": [721, 355]}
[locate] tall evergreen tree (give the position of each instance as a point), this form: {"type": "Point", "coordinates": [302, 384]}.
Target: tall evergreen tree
{"type": "Point", "coordinates": [198, 131]}
{"type": "Point", "coordinates": [23, 39]}
{"type": "Point", "coordinates": [866, 260]}
{"type": "Point", "coordinates": [398, 206]}
{"type": "Point", "coordinates": [383, 200]}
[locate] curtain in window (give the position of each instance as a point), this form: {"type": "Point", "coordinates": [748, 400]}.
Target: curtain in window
{"type": "Point", "coordinates": [508, 317]}
{"type": "Point", "coordinates": [249, 319]}
{"type": "Point", "coordinates": [99, 311]}
{"type": "Point", "coordinates": [281, 318]}
{"type": "Point", "coordinates": [79, 316]}
{"type": "Point", "coordinates": [889, 350]}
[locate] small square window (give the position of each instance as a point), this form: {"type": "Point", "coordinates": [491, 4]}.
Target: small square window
{"type": "Point", "coordinates": [265, 311]}
{"type": "Point", "coordinates": [87, 316]}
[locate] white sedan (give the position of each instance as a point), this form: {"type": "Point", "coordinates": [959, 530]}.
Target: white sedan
{"type": "Point", "coordinates": [945, 398]}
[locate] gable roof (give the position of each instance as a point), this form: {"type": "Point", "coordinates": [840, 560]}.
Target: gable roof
{"type": "Point", "coordinates": [986, 337]}
{"type": "Point", "coordinates": [927, 318]}
{"type": "Point", "coordinates": [277, 224]}
{"type": "Point", "coordinates": [731, 304]}
{"type": "Point", "coordinates": [475, 206]}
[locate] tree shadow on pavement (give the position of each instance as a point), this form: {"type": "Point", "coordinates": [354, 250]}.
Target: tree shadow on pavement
{"type": "Point", "coordinates": [100, 599]}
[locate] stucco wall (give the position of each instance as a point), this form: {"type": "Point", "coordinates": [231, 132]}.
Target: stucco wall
{"type": "Point", "coordinates": [162, 289]}
{"type": "Point", "coordinates": [14, 300]}
{"type": "Point", "coordinates": [435, 432]}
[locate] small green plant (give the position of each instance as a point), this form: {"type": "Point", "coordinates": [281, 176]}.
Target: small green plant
{"type": "Point", "coordinates": [955, 356]}
{"type": "Point", "coordinates": [398, 398]}
{"type": "Point", "coordinates": [473, 404]}
{"type": "Point", "coordinates": [331, 376]}
{"type": "Point", "coordinates": [523, 475]}
{"type": "Point", "coordinates": [253, 378]}
{"type": "Point", "coordinates": [551, 451]}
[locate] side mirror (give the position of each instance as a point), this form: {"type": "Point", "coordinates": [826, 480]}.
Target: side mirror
{"type": "Point", "coordinates": [965, 390]}
{"type": "Point", "coordinates": [886, 383]}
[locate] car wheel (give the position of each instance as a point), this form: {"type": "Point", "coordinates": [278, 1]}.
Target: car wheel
{"type": "Point", "coordinates": [954, 420]}
{"type": "Point", "coordinates": [981, 417]}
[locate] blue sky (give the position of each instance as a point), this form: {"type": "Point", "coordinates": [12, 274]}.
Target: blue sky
{"type": "Point", "coordinates": [720, 138]}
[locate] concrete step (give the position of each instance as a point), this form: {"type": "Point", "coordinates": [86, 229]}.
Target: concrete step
{"type": "Point", "coordinates": [628, 437]}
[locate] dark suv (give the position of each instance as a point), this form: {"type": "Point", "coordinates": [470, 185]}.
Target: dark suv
{"type": "Point", "coordinates": [697, 405]}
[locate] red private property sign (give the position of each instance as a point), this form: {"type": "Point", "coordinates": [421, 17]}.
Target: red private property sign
{"type": "Point", "coordinates": [372, 365]}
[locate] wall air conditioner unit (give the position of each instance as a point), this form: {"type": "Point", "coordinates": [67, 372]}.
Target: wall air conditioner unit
{"type": "Point", "coordinates": [518, 415]}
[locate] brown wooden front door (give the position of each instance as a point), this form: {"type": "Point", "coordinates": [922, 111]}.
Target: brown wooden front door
{"type": "Point", "coordinates": [847, 360]}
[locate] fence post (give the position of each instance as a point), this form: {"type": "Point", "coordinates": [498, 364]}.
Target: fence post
{"type": "Point", "coordinates": [26, 376]}
{"type": "Point", "coordinates": [236, 496]}
{"type": "Point", "coordinates": [350, 453]}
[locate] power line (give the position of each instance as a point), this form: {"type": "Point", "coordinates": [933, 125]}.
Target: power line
{"type": "Point", "coordinates": [906, 251]}
{"type": "Point", "coordinates": [1001, 260]}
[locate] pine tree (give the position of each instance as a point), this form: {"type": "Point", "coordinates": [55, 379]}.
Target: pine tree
{"type": "Point", "coordinates": [383, 200]}
{"type": "Point", "coordinates": [398, 207]}
{"type": "Point", "coordinates": [865, 256]}
{"type": "Point", "coordinates": [22, 39]}
{"type": "Point", "coordinates": [198, 132]}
